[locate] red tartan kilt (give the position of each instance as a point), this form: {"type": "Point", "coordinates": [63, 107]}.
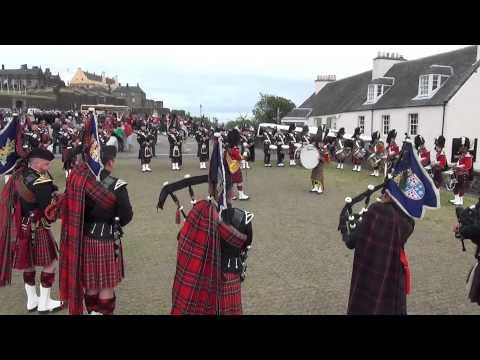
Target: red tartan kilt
{"type": "Point", "coordinates": [44, 252]}
{"type": "Point", "coordinates": [231, 298]}
{"type": "Point", "coordinates": [237, 177]}
{"type": "Point", "coordinates": [101, 269]}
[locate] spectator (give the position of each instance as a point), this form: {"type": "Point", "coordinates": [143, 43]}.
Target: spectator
{"type": "Point", "coordinates": [129, 135]}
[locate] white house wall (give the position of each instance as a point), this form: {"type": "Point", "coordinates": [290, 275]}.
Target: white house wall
{"type": "Point", "coordinates": [462, 115]}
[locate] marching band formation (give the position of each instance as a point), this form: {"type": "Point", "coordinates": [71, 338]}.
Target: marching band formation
{"type": "Point", "coordinates": [96, 206]}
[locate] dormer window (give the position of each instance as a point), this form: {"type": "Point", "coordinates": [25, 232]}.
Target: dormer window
{"type": "Point", "coordinates": [430, 82]}
{"type": "Point", "coordinates": [375, 92]}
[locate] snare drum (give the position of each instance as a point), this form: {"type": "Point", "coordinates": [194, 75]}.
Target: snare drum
{"type": "Point", "coordinates": [273, 147]}
{"type": "Point", "coordinates": [309, 156]}
{"type": "Point", "coordinates": [285, 147]}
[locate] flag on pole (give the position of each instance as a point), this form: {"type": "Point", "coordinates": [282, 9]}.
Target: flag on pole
{"type": "Point", "coordinates": [217, 174]}
{"type": "Point", "coordinates": [412, 189]}
{"type": "Point", "coordinates": [8, 155]}
{"type": "Point", "coordinates": [92, 154]}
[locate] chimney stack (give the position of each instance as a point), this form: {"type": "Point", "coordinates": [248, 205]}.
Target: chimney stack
{"type": "Point", "coordinates": [3, 67]}
{"type": "Point", "coordinates": [478, 53]}
{"type": "Point", "coordinates": [323, 80]}
{"type": "Point", "coordinates": [383, 62]}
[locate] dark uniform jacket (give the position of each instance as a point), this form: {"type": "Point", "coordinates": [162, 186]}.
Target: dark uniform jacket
{"type": "Point", "coordinates": [98, 221]}
{"type": "Point", "coordinates": [42, 187]}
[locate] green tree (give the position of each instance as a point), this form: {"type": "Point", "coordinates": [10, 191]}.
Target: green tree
{"type": "Point", "coordinates": [271, 109]}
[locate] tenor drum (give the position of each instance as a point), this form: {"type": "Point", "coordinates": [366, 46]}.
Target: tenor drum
{"type": "Point", "coordinates": [273, 147]}
{"type": "Point", "coordinates": [309, 156]}
{"type": "Point", "coordinates": [285, 147]}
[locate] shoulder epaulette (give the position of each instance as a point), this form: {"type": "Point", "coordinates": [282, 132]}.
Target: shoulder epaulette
{"type": "Point", "coordinates": [42, 179]}
{"type": "Point", "coordinates": [119, 184]}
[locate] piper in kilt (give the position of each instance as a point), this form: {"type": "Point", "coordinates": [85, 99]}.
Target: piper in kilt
{"type": "Point", "coordinates": [234, 157]}
{"type": "Point", "coordinates": [440, 163]}
{"type": "Point", "coordinates": [91, 261]}
{"type": "Point", "coordinates": [206, 281]}
{"type": "Point", "coordinates": [381, 276]}
{"type": "Point", "coordinates": [145, 153]}
{"type": "Point", "coordinates": [25, 199]}
{"type": "Point", "coordinates": [463, 172]}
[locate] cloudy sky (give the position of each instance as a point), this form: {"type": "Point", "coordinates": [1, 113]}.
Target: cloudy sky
{"type": "Point", "coordinates": [225, 80]}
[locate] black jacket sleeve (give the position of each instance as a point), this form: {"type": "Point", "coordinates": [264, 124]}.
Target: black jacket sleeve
{"type": "Point", "coordinates": [471, 232]}
{"type": "Point", "coordinates": [43, 194]}
{"type": "Point", "coordinates": [123, 209]}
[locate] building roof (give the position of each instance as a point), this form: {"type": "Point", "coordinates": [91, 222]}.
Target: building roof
{"type": "Point", "coordinates": [129, 89]}
{"type": "Point", "coordinates": [350, 94]}
{"type": "Point", "coordinates": [299, 113]}
{"type": "Point", "coordinates": [98, 78]}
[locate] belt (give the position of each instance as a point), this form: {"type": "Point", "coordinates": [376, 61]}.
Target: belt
{"type": "Point", "coordinates": [232, 265]}
{"type": "Point", "coordinates": [40, 223]}
{"type": "Point", "coordinates": [99, 230]}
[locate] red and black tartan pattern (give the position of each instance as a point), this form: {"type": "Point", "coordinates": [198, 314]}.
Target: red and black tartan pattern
{"type": "Point", "coordinates": [237, 177]}
{"type": "Point", "coordinates": [80, 183]}
{"type": "Point", "coordinates": [231, 299]}
{"type": "Point", "coordinates": [101, 270]}
{"type": "Point", "coordinates": [43, 253]}
{"type": "Point", "coordinates": [197, 281]}
{"type": "Point", "coordinates": [378, 277]}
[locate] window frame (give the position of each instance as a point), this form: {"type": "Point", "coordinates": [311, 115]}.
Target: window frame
{"type": "Point", "coordinates": [409, 124]}
{"type": "Point", "coordinates": [385, 117]}
{"type": "Point", "coordinates": [361, 123]}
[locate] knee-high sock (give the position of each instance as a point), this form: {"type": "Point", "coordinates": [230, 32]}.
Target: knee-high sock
{"type": "Point", "coordinates": [91, 302]}
{"type": "Point", "coordinates": [106, 306]}
{"type": "Point", "coordinates": [29, 278]}
{"type": "Point", "coordinates": [47, 279]}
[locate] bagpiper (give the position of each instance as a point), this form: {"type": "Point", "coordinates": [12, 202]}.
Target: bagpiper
{"type": "Point", "coordinates": [267, 138]}
{"type": "Point", "coordinates": [203, 141]}
{"type": "Point", "coordinates": [24, 206]}
{"type": "Point", "coordinates": [279, 140]}
{"type": "Point", "coordinates": [292, 143]}
{"type": "Point", "coordinates": [377, 154]}
{"type": "Point", "coordinates": [393, 151]}
{"type": "Point", "coordinates": [463, 171]}
{"type": "Point", "coordinates": [423, 153]}
{"type": "Point", "coordinates": [233, 157]}
{"type": "Point", "coordinates": [217, 236]}
{"type": "Point", "coordinates": [91, 259]}
{"type": "Point", "coordinates": [359, 151]}
{"type": "Point", "coordinates": [245, 148]}
{"type": "Point", "coordinates": [340, 149]}
{"type": "Point", "coordinates": [145, 153]}
{"type": "Point", "coordinates": [440, 164]}
{"type": "Point", "coordinates": [175, 140]}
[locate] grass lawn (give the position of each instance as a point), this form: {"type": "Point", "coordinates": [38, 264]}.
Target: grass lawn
{"type": "Point", "coordinates": [298, 263]}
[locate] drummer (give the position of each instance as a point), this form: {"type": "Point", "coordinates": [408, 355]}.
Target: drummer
{"type": "Point", "coordinates": [317, 172]}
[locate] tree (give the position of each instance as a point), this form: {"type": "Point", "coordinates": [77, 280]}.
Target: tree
{"type": "Point", "coordinates": [270, 108]}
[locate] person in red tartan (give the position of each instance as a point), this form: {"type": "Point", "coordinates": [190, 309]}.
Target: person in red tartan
{"type": "Point", "coordinates": [463, 172]}
{"type": "Point", "coordinates": [25, 199]}
{"type": "Point", "coordinates": [91, 260]}
{"type": "Point", "coordinates": [206, 281]}
{"type": "Point", "coordinates": [233, 157]}
{"type": "Point", "coordinates": [381, 276]}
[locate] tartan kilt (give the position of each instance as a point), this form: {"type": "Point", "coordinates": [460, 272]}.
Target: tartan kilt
{"type": "Point", "coordinates": [231, 296]}
{"type": "Point", "coordinates": [101, 269]}
{"type": "Point", "coordinates": [44, 252]}
{"type": "Point", "coordinates": [237, 177]}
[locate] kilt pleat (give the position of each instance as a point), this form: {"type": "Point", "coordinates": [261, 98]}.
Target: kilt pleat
{"type": "Point", "coordinates": [231, 299]}
{"type": "Point", "coordinates": [44, 252]}
{"type": "Point", "coordinates": [101, 269]}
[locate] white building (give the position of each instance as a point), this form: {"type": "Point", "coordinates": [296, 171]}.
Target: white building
{"type": "Point", "coordinates": [431, 96]}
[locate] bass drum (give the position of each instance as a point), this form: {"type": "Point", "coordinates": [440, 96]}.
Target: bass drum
{"type": "Point", "coordinates": [309, 156]}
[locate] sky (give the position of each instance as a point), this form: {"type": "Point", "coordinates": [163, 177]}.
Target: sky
{"type": "Point", "coordinates": [226, 80]}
